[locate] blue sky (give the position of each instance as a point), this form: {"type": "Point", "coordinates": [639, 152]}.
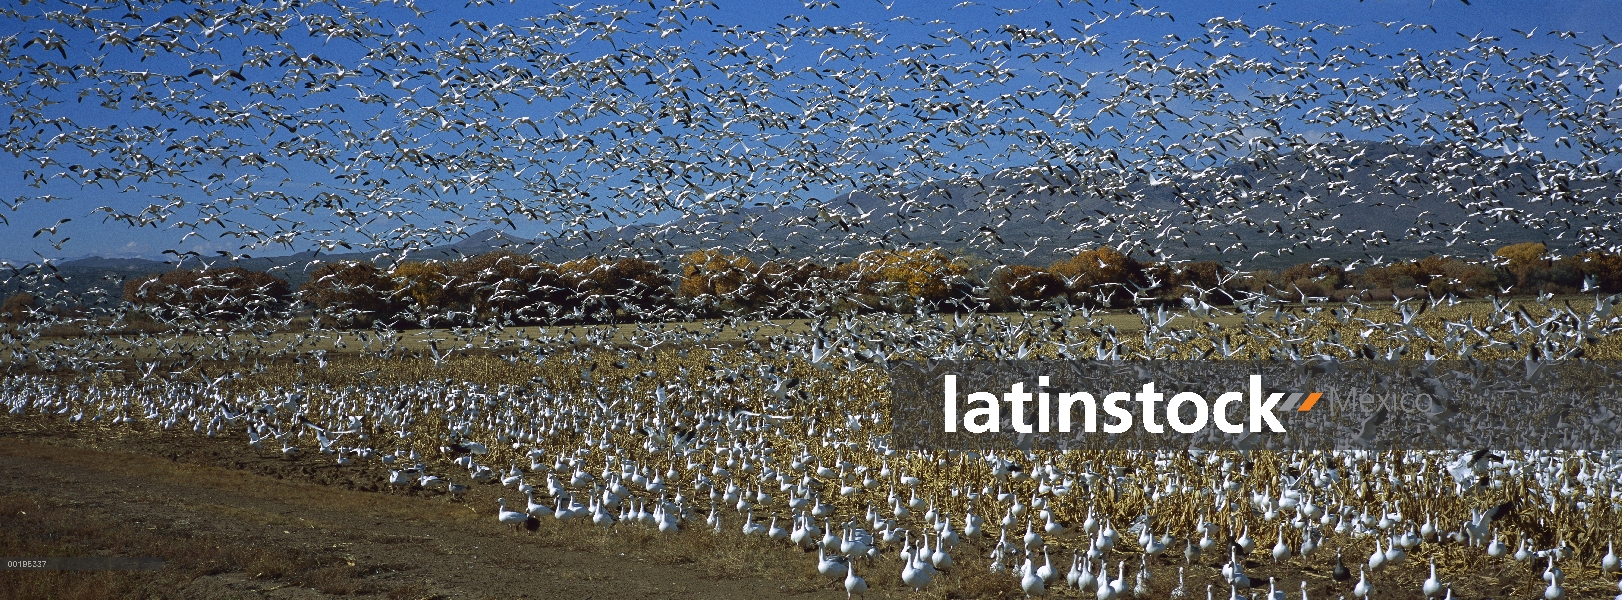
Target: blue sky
{"type": "Point", "coordinates": [91, 233]}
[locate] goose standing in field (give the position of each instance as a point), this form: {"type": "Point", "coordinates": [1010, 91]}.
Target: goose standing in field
{"type": "Point", "coordinates": [1118, 585]}
{"type": "Point", "coordinates": [455, 490]}
{"type": "Point", "coordinates": [1086, 581]}
{"type": "Point", "coordinates": [1432, 585]}
{"type": "Point", "coordinates": [516, 519]}
{"type": "Point", "coordinates": [1394, 554]}
{"type": "Point", "coordinates": [799, 536]}
{"type": "Point", "coordinates": [668, 522]}
{"type": "Point", "coordinates": [941, 558]}
{"type": "Point", "coordinates": [513, 477]}
{"type": "Point", "coordinates": [1046, 571]}
{"type": "Point", "coordinates": [600, 515]}
{"type": "Point", "coordinates": [776, 532]}
{"type": "Point", "coordinates": [400, 478]}
{"type": "Point", "coordinates": [750, 527]}
{"type": "Point", "coordinates": [1496, 547]}
{"type": "Point", "coordinates": [1032, 540]}
{"type": "Point", "coordinates": [1140, 583]}
{"type": "Point", "coordinates": [1377, 559]}
{"type": "Point", "coordinates": [1273, 593]}
{"type": "Point", "coordinates": [1363, 588]}
{"type": "Point", "coordinates": [1104, 589]}
{"type": "Point", "coordinates": [536, 509]}
{"type": "Point", "coordinates": [916, 573]}
{"type": "Point", "coordinates": [833, 567]}
{"type": "Point", "coordinates": [854, 586]}
{"type": "Point", "coordinates": [1030, 582]}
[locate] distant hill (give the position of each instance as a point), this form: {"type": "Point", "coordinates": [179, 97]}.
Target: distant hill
{"type": "Point", "coordinates": [1332, 201]}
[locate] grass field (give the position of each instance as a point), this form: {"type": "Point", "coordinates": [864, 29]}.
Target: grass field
{"type": "Point", "coordinates": [161, 449]}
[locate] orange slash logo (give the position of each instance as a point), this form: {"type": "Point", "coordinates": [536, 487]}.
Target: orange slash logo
{"type": "Point", "coordinates": [1301, 402]}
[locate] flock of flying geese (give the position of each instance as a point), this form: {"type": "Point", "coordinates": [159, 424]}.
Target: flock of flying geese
{"type": "Point", "coordinates": [661, 127]}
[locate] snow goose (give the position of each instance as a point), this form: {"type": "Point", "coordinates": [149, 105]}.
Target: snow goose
{"type": "Point", "coordinates": [857, 542]}
{"type": "Point", "coordinates": [800, 536]}
{"type": "Point", "coordinates": [600, 515]}
{"type": "Point", "coordinates": [943, 559]}
{"type": "Point", "coordinates": [1394, 555]}
{"type": "Point", "coordinates": [915, 573]}
{"type": "Point", "coordinates": [1432, 585]}
{"type": "Point", "coordinates": [854, 586]}
{"type": "Point", "coordinates": [1554, 592]}
{"type": "Point", "coordinates": [832, 567]}
{"type": "Point", "coordinates": [516, 519]}
{"type": "Point", "coordinates": [1030, 582]}
{"type": "Point", "coordinates": [1281, 550]}
{"type": "Point", "coordinates": [513, 477]}
{"type": "Point", "coordinates": [539, 510]}
{"type": "Point", "coordinates": [1246, 545]}
{"type": "Point", "coordinates": [399, 479]}
{"type": "Point", "coordinates": [1363, 588]}
{"type": "Point", "coordinates": [455, 490]}
{"type": "Point", "coordinates": [775, 531]}
{"type": "Point", "coordinates": [1032, 540]}
{"type": "Point", "coordinates": [668, 522]}
{"type": "Point", "coordinates": [829, 538]}
{"type": "Point", "coordinates": [1273, 593]}
{"type": "Point", "coordinates": [1119, 583]}
{"type": "Point", "coordinates": [1085, 580]}
{"type": "Point", "coordinates": [1105, 591]}
{"type": "Point", "coordinates": [750, 527]}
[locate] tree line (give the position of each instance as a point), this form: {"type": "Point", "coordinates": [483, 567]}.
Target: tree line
{"type": "Point", "coordinates": [518, 289]}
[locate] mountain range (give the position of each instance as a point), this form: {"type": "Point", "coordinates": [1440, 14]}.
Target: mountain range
{"type": "Point", "coordinates": [1356, 201]}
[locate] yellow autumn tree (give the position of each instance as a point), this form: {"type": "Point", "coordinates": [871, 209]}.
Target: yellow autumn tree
{"type": "Point", "coordinates": [714, 276]}
{"type": "Point", "coordinates": [1524, 259]}
{"type": "Point", "coordinates": [625, 288]}
{"type": "Point", "coordinates": [1604, 267]}
{"type": "Point", "coordinates": [425, 282]}
{"type": "Point", "coordinates": [915, 273]}
{"type": "Point", "coordinates": [1101, 274]}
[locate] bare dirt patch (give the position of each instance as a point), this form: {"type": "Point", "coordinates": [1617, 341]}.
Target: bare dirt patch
{"type": "Point", "coordinates": [229, 523]}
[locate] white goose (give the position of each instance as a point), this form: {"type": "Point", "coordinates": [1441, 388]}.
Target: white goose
{"type": "Point", "coordinates": [1432, 585]}
{"type": "Point", "coordinates": [539, 510]}
{"type": "Point", "coordinates": [941, 558]}
{"type": "Point", "coordinates": [1030, 582]}
{"type": "Point", "coordinates": [832, 567]}
{"type": "Point", "coordinates": [776, 532]}
{"type": "Point", "coordinates": [854, 586]}
{"type": "Point", "coordinates": [514, 518]}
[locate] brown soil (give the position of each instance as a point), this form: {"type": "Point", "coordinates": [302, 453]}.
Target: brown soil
{"type": "Point", "coordinates": [231, 522]}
